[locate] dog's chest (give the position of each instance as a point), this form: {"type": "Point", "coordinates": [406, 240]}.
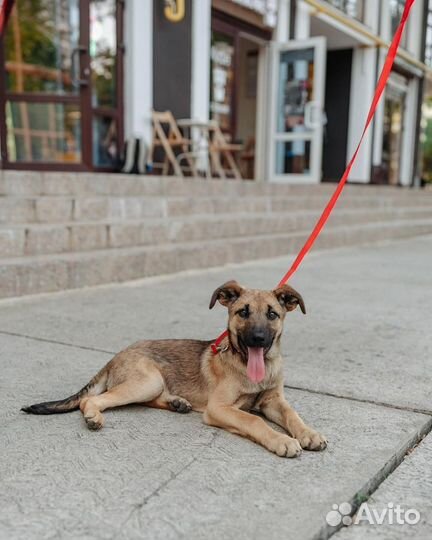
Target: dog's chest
{"type": "Point", "coordinates": [246, 402]}
{"type": "Point", "coordinates": [250, 392]}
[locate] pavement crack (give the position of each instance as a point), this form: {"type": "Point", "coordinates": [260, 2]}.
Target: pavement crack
{"type": "Point", "coordinates": [361, 400]}
{"type": "Point", "coordinates": [55, 341]}
{"type": "Point", "coordinates": [369, 488]}
{"type": "Point", "coordinates": [156, 491]}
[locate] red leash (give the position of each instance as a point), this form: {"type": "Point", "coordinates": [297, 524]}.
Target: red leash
{"type": "Point", "coordinates": [385, 74]}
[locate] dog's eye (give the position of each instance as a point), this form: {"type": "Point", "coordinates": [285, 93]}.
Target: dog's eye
{"type": "Point", "coordinates": [243, 313]}
{"type": "Point", "coordinates": [272, 315]}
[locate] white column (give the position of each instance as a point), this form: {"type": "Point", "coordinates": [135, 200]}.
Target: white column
{"type": "Point", "coordinates": [372, 9]}
{"type": "Point", "coordinates": [283, 21]}
{"type": "Point", "coordinates": [138, 80]}
{"type": "Point", "coordinates": [363, 81]}
{"type": "Point", "coordinates": [201, 35]}
{"type": "Point", "coordinates": [414, 26]}
{"type": "Point", "coordinates": [378, 124]}
{"type": "Point", "coordinates": [200, 78]}
{"type": "Point", "coordinates": [362, 89]}
{"type": "Point", "coordinates": [302, 23]}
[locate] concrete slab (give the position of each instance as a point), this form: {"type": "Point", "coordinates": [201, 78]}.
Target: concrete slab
{"type": "Point", "coordinates": [410, 486]}
{"type": "Point", "coordinates": [366, 335]}
{"type": "Point", "coordinates": [157, 474]}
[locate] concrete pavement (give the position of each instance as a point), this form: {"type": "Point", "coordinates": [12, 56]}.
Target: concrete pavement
{"type": "Point", "coordinates": [410, 487]}
{"type": "Point", "coordinates": [357, 369]}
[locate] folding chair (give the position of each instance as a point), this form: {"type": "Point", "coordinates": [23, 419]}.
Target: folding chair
{"type": "Point", "coordinates": [167, 135]}
{"type": "Point", "coordinates": [222, 150]}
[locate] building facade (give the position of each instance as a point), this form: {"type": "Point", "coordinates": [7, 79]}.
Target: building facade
{"type": "Point", "coordinates": [292, 80]}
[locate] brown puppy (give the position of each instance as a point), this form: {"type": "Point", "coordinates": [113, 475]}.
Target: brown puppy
{"type": "Point", "coordinates": [182, 375]}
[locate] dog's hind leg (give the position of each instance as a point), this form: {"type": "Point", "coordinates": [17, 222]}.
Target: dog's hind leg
{"type": "Point", "coordinates": [140, 388]}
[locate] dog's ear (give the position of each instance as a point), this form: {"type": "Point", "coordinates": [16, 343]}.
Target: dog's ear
{"type": "Point", "coordinates": [226, 293]}
{"type": "Point", "coordinates": [289, 298]}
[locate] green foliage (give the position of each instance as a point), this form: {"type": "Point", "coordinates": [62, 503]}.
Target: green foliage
{"type": "Point", "coordinates": [37, 31]}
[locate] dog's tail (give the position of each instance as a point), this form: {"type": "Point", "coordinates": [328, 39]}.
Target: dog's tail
{"type": "Point", "coordinates": [95, 387]}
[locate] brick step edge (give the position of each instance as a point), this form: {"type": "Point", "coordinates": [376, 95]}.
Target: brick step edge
{"type": "Point", "coordinates": [61, 183]}
{"type": "Point", "coordinates": [25, 240]}
{"type": "Point", "coordinates": [48, 210]}
{"type": "Point", "coordinates": [51, 273]}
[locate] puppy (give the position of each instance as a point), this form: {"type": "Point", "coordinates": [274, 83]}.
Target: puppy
{"type": "Point", "coordinates": [184, 375]}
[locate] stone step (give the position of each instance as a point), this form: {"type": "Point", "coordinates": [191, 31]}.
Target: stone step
{"type": "Point", "coordinates": [31, 183]}
{"type": "Point", "coordinates": [59, 209]}
{"type": "Point", "coordinates": [14, 183]}
{"type": "Point", "coordinates": [34, 184]}
{"type": "Point", "coordinates": [39, 239]}
{"type": "Point", "coordinates": [48, 273]}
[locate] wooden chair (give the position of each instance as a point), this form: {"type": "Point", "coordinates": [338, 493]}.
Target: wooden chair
{"type": "Point", "coordinates": [221, 152]}
{"type": "Point", "coordinates": [248, 158]}
{"type": "Point", "coordinates": [167, 135]}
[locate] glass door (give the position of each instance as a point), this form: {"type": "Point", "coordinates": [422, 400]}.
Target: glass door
{"type": "Point", "coordinates": [297, 117]}
{"type": "Point", "coordinates": [59, 97]}
{"type": "Point", "coordinates": [106, 68]}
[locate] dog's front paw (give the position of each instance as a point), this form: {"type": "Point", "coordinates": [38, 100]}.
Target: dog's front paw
{"type": "Point", "coordinates": [284, 446]}
{"type": "Point", "coordinates": [310, 439]}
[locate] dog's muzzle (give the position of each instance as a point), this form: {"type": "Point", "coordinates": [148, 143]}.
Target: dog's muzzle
{"type": "Point", "coordinates": [256, 342]}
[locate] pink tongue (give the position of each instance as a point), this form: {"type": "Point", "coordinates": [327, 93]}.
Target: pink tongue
{"type": "Point", "coordinates": [255, 365]}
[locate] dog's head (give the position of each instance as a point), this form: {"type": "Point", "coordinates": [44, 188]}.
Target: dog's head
{"type": "Point", "coordinates": [255, 320]}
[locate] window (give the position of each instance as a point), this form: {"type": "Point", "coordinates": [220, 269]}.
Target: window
{"type": "Point", "coordinates": [352, 8]}
{"type": "Point", "coordinates": [222, 79]}
{"type": "Point", "coordinates": [396, 9]}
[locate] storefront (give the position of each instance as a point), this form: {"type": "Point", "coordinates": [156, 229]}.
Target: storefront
{"type": "Point", "coordinates": [291, 81]}
{"type": "Point", "coordinates": [267, 92]}
{"type": "Point", "coordinates": [354, 33]}
{"type": "Point", "coordinates": [61, 85]}
{"type": "Point", "coordinates": [239, 39]}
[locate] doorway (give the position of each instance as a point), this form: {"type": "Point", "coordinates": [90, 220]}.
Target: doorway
{"type": "Point", "coordinates": [234, 74]}
{"type": "Point", "coordinates": [337, 107]}
{"type": "Point", "coordinates": [61, 85]}
{"type": "Point", "coordinates": [296, 118]}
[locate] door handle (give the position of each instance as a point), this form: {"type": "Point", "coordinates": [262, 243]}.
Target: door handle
{"type": "Point", "coordinates": [313, 116]}
{"type": "Point", "coordinates": [76, 69]}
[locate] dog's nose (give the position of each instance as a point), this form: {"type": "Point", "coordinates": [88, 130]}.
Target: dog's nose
{"type": "Point", "coordinates": [258, 339]}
